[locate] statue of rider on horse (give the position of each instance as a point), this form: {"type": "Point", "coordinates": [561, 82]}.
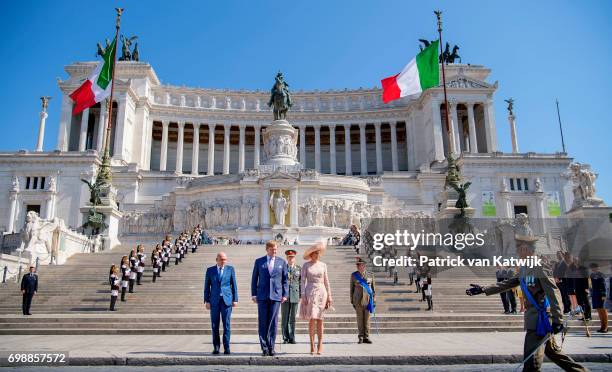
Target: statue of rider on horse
{"type": "Point", "coordinates": [280, 97]}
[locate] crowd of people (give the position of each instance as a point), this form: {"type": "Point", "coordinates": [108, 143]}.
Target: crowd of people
{"type": "Point", "coordinates": [129, 272]}
{"type": "Point", "coordinates": [582, 290]}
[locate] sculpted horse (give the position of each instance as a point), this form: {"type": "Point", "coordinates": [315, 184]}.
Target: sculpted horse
{"type": "Point", "coordinates": [280, 98]}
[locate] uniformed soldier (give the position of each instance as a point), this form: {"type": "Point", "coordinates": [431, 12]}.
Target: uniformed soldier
{"type": "Point", "coordinates": [155, 263]}
{"type": "Point", "coordinates": [363, 299]}
{"type": "Point", "coordinates": [125, 275]}
{"type": "Point", "coordinates": [543, 302]}
{"type": "Point", "coordinates": [114, 281]}
{"type": "Point", "coordinates": [133, 269]}
{"type": "Point", "coordinates": [141, 263]}
{"type": "Point", "coordinates": [289, 307]}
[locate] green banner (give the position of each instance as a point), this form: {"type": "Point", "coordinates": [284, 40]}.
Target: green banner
{"type": "Point", "coordinates": [488, 204]}
{"type": "Point", "coordinates": [553, 203]}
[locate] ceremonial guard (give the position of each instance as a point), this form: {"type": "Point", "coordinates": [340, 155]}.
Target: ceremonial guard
{"type": "Point", "coordinates": [155, 264]}
{"type": "Point", "coordinates": [177, 254]}
{"type": "Point", "coordinates": [125, 275]}
{"type": "Point", "coordinates": [141, 263]}
{"type": "Point", "coordinates": [114, 284]}
{"type": "Point", "coordinates": [363, 299]}
{"type": "Point", "coordinates": [427, 291]}
{"type": "Point", "coordinates": [289, 307]}
{"type": "Point", "coordinates": [543, 303]}
{"type": "Point", "coordinates": [133, 269]}
{"type": "Point", "coordinates": [194, 243]}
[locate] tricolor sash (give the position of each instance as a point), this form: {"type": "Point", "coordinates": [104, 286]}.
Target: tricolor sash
{"type": "Point", "coordinates": [367, 288]}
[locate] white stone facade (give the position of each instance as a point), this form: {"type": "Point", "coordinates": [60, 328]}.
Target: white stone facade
{"type": "Point", "coordinates": [357, 156]}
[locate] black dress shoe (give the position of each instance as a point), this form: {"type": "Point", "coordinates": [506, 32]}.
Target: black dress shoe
{"type": "Point", "coordinates": [285, 342]}
{"type": "Point", "coordinates": [29, 314]}
{"type": "Point", "coordinates": [367, 341]}
{"type": "Point", "coordinates": [292, 342]}
{"type": "Point", "coordinates": [271, 353]}
{"type": "Point", "coordinates": [215, 352]}
{"type": "Point", "coordinates": [360, 340]}
{"type": "Point", "coordinates": [226, 352]}
{"type": "Point", "coordinates": [264, 353]}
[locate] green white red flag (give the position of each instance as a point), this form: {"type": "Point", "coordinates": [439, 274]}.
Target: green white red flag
{"type": "Point", "coordinates": [98, 85]}
{"type": "Point", "coordinates": [421, 73]}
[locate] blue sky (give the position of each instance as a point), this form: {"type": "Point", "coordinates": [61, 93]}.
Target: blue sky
{"type": "Point", "coordinates": [538, 51]}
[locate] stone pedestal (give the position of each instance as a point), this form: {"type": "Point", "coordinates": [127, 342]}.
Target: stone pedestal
{"type": "Point", "coordinates": [280, 144]}
{"type": "Point", "coordinates": [446, 200]}
{"type": "Point", "coordinates": [112, 217]}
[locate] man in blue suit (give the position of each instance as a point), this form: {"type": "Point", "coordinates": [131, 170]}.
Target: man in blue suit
{"type": "Point", "coordinates": [269, 288]}
{"type": "Point", "coordinates": [220, 296]}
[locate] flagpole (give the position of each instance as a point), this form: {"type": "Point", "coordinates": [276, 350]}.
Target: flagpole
{"type": "Point", "coordinates": [452, 175]}
{"type": "Point", "coordinates": [560, 126]}
{"type": "Point", "coordinates": [105, 174]}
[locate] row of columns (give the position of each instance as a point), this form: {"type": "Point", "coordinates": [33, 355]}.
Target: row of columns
{"type": "Point", "coordinates": [472, 143]}
{"type": "Point", "coordinates": [302, 136]}
{"type": "Point", "coordinates": [211, 148]}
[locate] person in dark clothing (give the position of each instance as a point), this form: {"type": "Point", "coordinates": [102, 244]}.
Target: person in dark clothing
{"type": "Point", "coordinates": [560, 275]}
{"type": "Point", "coordinates": [29, 287]}
{"type": "Point", "coordinates": [598, 296]}
{"type": "Point", "coordinates": [500, 274]}
{"type": "Point", "coordinates": [582, 289]}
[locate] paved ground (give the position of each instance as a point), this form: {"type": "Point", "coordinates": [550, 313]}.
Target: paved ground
{"type": "Point", "coordinates": [593, 367]}
{"type": "Point", "coordinates": [430, 348]}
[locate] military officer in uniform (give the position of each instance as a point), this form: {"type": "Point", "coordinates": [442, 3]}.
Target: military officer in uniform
{"type": "Point", "coordinates": [543, 303]}
{"type": "Point", "coordinates": [363, 299]}
{"type": "Point", "coordinates": [289, 307]}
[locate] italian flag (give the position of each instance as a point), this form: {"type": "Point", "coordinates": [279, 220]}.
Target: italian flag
{"type": "Point", "coordinates": [421, 73]}
{"type": "Point", "coordinates": [98, 84]}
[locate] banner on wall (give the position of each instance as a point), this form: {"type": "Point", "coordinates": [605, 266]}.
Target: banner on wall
{"type": "Point", "coordinates": [553, 203]}
{"type": "Point", "coordinates": [488, 204]}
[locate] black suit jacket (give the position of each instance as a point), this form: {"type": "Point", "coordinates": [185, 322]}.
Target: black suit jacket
{"type": "Point", "coordinates": [29, 283]}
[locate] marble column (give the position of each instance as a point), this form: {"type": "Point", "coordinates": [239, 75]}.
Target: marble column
{"type": "Point", "coordinates": [226, 148]}
{"type": "Point", "coordinates": [489, 117]}
{"type": "Point", "coordinates": [65, 122]}
{"type": "Point", "coordinates": [379, 164]}
{"type": "Point", "coordinates": [211, 150]}
{"type": "Point", "coordinates": [163, 158]}
{"type": "Point", "coordinates": [394, 164]}
{"type": "Point", "coordinates": [265, 207]}
{"type": "Point", "coordinates": [362, 149]}
{"type": "Point", "coordinates": [12, 212]}
{"type": "Point", "coordinates": [512, 122]}
{"type": "Point", "coordinates": [332, 149]}
{"type": "Point", "coordinates": [195, 150]}
{"type": "Point", "coordinates": [41, 130]}
{"type": "Point", "coordinates": [102, 127]}
{"type": "Point", "coordinates": [347, 150]}
{"type": "Point", "coordinates": [409, 146]}
{"type": "Point", "coordinates": [454, 131]}
{"type": "Point", "coordinates": [437, 131]}
{"type": "Point", "coordinates": [83, 131]}
{"type": "Point", "coordinates": [317, 129]}
{"type": "Point", "coordinates": [303, 145]}
{"type": "Point", "coordinates": [49, 207]}
{"type": "Point", "coordinates": [241, 135]}
{"type": "Point", "coordinates": [256, 146]}
{"type": "Point", "coordinates": [472, 128]}
{"type": "Point", "coordinates": [179, 148]}
{"type": "Point", "coordinates": [294, 207]}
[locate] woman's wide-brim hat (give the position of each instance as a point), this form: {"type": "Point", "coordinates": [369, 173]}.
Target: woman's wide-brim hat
{"type": "Point", "coordinates": [317, 247]}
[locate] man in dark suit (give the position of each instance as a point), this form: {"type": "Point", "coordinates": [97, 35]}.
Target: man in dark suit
{"type": "Point", "coordinates": [29, 287]}
{"type": "Point", "coordinates": [269, 288]}
{"type": "Point", "coordinates": [220, 296]}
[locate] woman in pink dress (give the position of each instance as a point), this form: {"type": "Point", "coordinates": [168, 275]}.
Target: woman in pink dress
{"type": "Point", "coordinates": [316, 294]}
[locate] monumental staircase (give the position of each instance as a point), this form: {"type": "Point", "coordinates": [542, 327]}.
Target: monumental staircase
{"type": "Point", "coordinates": [74, 298]}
